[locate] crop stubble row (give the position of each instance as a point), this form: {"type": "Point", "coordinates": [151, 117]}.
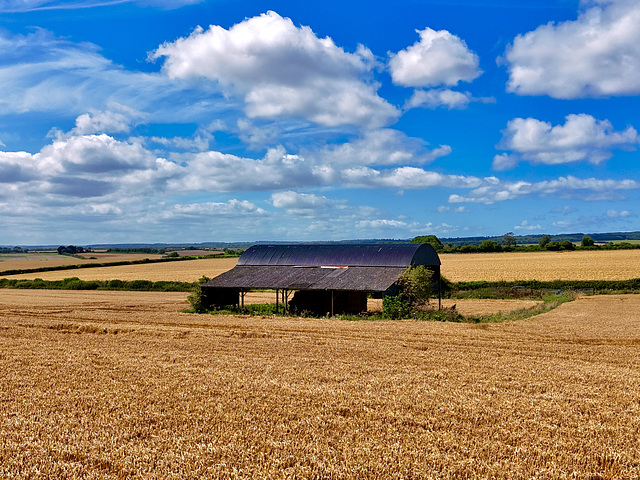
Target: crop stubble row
{"type": "Point", "coordinates": [124, 386]}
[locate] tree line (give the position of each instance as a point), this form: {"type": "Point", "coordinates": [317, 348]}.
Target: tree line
{"type": "Point", "coordinates": [13, 250]}
{"type": "Point", "coordinates": [509, 244]}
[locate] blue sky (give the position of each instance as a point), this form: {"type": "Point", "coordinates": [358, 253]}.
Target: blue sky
{"type": "Point", "coordinates": [193, 121]}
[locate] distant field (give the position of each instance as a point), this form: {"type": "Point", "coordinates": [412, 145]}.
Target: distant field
{"type": "Point", "coordinates": [632, 242]}
{"type": "Point", "coordinates": [181, 271]}
{"type": "Point", "coordinates": [50, 259]}
{"type": "Point", "coordinates": [579, 265]}
{"type": "Point", "coordinates": [114, 385]}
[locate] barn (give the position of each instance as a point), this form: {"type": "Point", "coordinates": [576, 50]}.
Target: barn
{"type": "Point", "coordinates": [324, 279]}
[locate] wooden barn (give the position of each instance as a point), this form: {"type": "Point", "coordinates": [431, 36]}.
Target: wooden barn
{"type": "Point", "coordinates": [324, 279]}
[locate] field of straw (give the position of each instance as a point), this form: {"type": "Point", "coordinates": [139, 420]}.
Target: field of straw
{"type": "Point", "coordinates": [113, 385]}
{"type": "Point", "coordinates": [50, 259]}
{"type": "Point", "coordinates": [182, 271]}
{"type": "Point", "coordinates": [579, 265]}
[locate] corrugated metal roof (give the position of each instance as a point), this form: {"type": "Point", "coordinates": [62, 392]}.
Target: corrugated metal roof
{"type": "Point", "coordinates": [383, 255]}
{"type": "Point", "coordinates": [366, 268]}
{"type": "Point", "coordinates": [365, 279]}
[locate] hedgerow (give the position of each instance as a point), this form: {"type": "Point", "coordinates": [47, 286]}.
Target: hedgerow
{"type": "Point", "coordinates": [74, 283]}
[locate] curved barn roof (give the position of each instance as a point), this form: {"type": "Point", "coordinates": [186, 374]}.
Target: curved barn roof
{"type": "Point", "coordinates": [367, 268]}
{"type": "Point", "coordinates": [305, 255]}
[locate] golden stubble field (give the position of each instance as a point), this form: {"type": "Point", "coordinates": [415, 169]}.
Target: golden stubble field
{"type": "Point", "coordinates": [578, 265]}
{"type": "Point", "coordinates": [51, 259]}
{"type": "Point", "coordinates": [514, 266]}
{"type": "Point", "coordinates": [102, 385]}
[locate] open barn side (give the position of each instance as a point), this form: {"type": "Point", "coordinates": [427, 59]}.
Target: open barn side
{"type": "Point", "coordinates": [324, 279]}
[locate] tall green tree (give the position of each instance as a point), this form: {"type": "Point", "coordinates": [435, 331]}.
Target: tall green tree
{"type": "Point", "coordinates": [509, 239]}
{"type": "Point", "coordinates": [544, 240]}
{"type": "Point", "coordinates": [587, 241]}
{"type": "Point", "coordinates": [431, 240]}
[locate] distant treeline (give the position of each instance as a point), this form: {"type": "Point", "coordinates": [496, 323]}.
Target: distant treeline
{"type": "Point", "coordinates": [533, 239]}
{"type": "Point", "coordinates": [146, 250]}
{"type": "Point", "coordinates": [163, 250]}
{"type": "Point", "coordinates": [72, 250]}
{"type": "Point", "coordinates": [509, 243]}
{"type": "Point", "coordinates": [13, 250]}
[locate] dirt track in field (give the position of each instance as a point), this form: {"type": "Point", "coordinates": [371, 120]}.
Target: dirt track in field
{"type": "Point", "coordinates": [122, 385]}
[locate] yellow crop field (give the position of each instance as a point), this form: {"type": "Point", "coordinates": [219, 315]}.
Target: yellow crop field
{"type": "Point", "coordinates": [182, 271]}
{"type": "Point", "coordinates": [113, 385]}
{"type": "Point", "coordinates": [51, 259]}
{"type": "Point", "coordinates": [578, 265]}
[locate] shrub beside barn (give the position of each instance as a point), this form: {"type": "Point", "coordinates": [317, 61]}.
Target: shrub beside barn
{"type": "Point", "coordinates": [323, 279]}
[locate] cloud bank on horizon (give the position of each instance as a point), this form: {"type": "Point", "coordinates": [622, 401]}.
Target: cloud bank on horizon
{"type": "Point", "coordinates": [260, 127]}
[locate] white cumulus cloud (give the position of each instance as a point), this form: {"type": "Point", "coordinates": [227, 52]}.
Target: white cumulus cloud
{"type": "Point", "coordinates": [118, 120]}
{"type": "Point", "coordinates": [232, 209]}
{"type": "Point", "coordinates": [594, 56]}
{"type": "Point", "coordinates": [581, 138]}
{"type": "Point", "coordinates": [439, 58]}
{"type": "Point", "coordinates": [301, 203]}
{"type": "Point", "coordinates": [526, 226]}
{"type": "Point", "coordinates": [282, 71]}
{"type": "Point", "coordinates": [435, 98]}
{"type": "Point", "coordinates": [379, 147]}
{"type": "Point", "coordinates": [495, 191]}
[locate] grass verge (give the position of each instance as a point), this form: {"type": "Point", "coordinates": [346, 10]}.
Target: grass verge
{"type": "Point", "coordinates": [549, 303]}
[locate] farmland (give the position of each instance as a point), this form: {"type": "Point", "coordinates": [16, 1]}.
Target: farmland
{"type": "Point", "coordinates": [182, 271]}
{"type": "Point", "coordinates": [578, 265]}
{"type": "Point", "coordinates": [123, 385]}
{"type": "Point", "coordinates": [52, 259]}
{"type": "Point", "coordinates": [101, 384]}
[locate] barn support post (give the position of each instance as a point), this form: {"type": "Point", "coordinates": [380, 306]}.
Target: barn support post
{"type": "Point", "coordinates": [242, 294]}
{"type": "Point", "coordinates": [285, 300]}
{"type": "Point", "coordinates": [332, 303]}
{"type": "Point", "coordinates": [277, 300]}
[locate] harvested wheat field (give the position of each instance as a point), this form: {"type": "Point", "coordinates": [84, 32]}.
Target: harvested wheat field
{"type": "Point", "coordinates": [182, 271]}
{"type": "Point", "coordinates": [514, 266]}
{"type": "Point", "coordinates": [52, 259]}
{"type": "Point", "coordinates": [121, 385]}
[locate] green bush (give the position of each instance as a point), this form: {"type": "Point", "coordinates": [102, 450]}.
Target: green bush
{"type": "Point", "coordinates": [416, 285]}
{"type": "Point", "coordinates": [395, 307]}
{"type": "Point", "coordinates": [196, 300]}
{"type": "Point", "coordinates": [444, 315]}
